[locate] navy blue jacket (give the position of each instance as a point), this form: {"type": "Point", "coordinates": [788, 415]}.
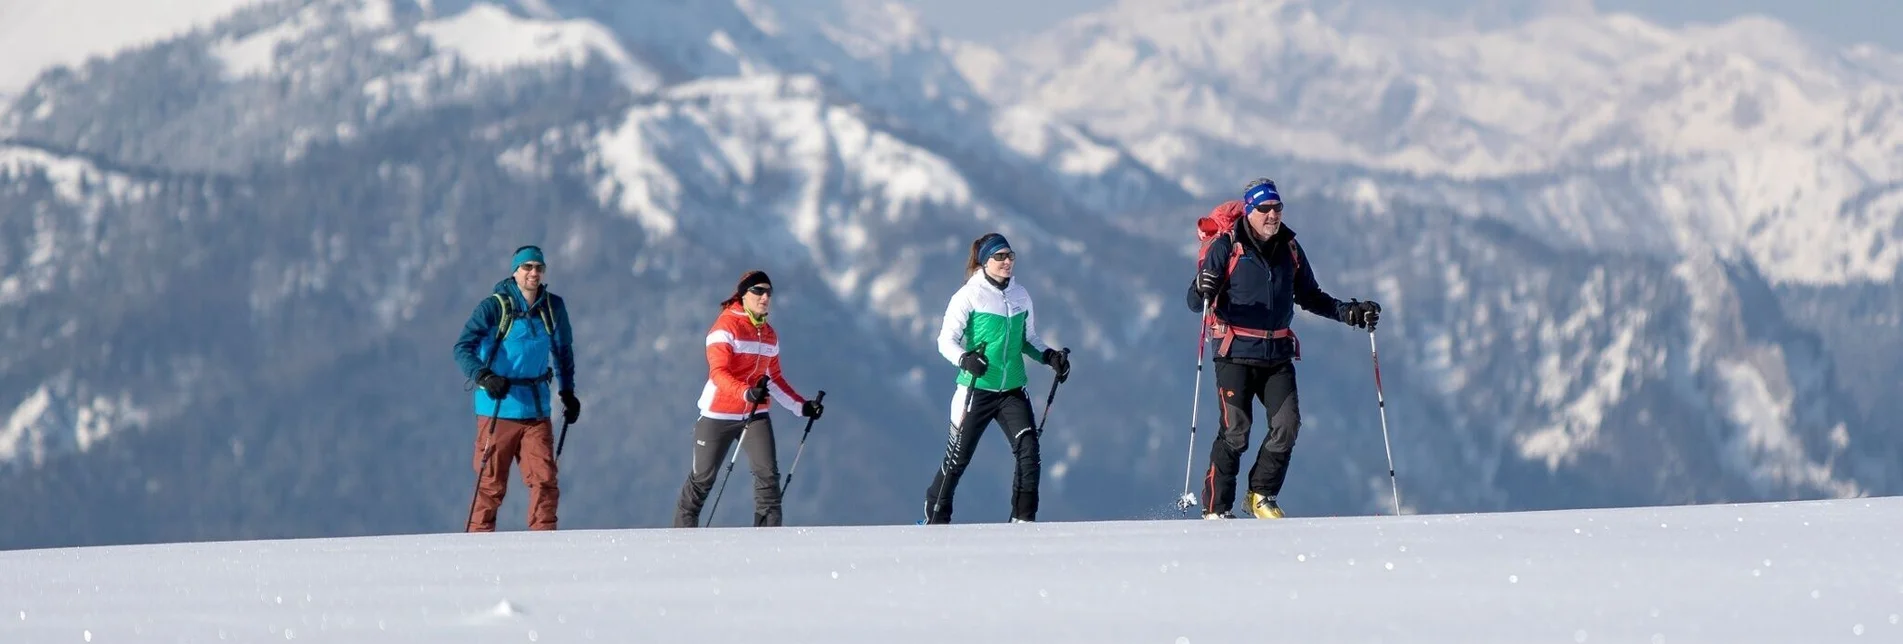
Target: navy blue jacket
{"type": "Point", "coordinates": [1264, 290]}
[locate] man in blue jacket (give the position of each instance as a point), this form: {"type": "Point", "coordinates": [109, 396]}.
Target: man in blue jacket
{"type": "Point", "coordinates": [1252, 277]}
{"type": "Point", "coordinates": [505, 348]}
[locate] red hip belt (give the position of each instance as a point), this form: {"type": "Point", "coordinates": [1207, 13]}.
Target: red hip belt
{"type": "Point", "coordinates": [1228, 333]}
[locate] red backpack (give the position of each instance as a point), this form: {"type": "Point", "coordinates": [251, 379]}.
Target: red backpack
{"type": "Point", "coordinates": [1219, 222]}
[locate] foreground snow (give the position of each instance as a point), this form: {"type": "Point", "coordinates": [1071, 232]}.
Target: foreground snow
{"type": "Point", "coordinates": [1791, 572]}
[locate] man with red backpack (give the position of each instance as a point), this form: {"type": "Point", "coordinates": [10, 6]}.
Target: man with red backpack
{"type": "Point", "coordinates": [1250, 277]}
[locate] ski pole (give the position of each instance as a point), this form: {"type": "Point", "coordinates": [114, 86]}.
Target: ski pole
{"type": "Point", "coordinates": [489, 444]}
{"type": "Point", "coordinates": [1046, 417]}
{"type": "Point", "coordinates": [489, 447]}
{"type": "Point", "coordinates": [1382, 402]}
{"type": "Point", "coordinates": [737, 447]}
{"type": "Point", "coordinates": [802, 449]}
{"type": "Point", "coordinates": [561, 439]}
{"type": "Point", "coordinates": [1188, 499]}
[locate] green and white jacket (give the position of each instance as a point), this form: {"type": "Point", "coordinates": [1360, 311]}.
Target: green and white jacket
{"type": "Point", "coordinates": [999, 320]}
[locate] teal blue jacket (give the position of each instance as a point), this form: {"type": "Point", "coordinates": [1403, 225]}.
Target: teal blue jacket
{"type": "Point", "coordinates": [523, 357]}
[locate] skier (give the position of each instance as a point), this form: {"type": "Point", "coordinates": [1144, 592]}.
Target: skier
{"type": "Point", "coordinates": [1250, 279]}
{"type": "Point", "coordinates": [505, 348]}
{"type": "Point", "coordinates": [989, 326]}
{"type": "Point", "coordinates": [743, 372]}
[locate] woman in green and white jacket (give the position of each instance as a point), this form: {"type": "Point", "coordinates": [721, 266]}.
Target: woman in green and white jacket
{"type": "Point", "coordinates": [989, 328]}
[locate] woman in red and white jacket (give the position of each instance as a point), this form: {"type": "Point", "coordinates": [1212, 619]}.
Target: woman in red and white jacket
{"type": "Point", "coordinates": [743, 372]}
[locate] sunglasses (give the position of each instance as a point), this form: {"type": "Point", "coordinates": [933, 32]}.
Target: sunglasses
{"type": "Point", "coordinates": [534, 267]}
{"type": "Point", "coordinates": [1269, 207]}
{"type": "Point", "coordinates": [761, 290]}
{"type": "Point", "coordinates": [1003, 256]}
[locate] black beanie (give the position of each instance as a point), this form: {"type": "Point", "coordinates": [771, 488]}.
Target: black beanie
{"type": "Point", "coordinates": [747, 281]}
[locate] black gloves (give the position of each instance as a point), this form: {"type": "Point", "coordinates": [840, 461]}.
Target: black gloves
{"type": "Point", "coordinates": [757, 394]}
{"type": "Point", "coordinates": [571, 407]}
{"type": "Point", "coordinates": [812, 409]}
{"type": "Point", "coordinates": [1207, 284]}
{"type": "Point", "coordinates": [1362, 315]}
{"type": "Point", "coordinates": [497, 386]}
{"type": "Point", "coordinates": [1059, 362]}
{"type": "Point", "coordinates": [974, 362]}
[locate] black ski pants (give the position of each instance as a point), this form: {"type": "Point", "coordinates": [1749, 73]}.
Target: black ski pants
{"type": "Point", "coordinates": [972, 411]}
{"type": "Point", "coordinates": [712, 438]}
{"type": "Point", "coordinates": [1237, 383]}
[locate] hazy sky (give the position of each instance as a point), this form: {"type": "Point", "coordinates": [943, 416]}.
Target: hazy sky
{"type": "Point", "coordinates": [1841, 21]}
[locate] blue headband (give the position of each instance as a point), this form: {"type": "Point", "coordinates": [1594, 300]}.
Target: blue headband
{"type": "Point", "coordinates": [525, 255]}
{"type": "Point", "coordinates": [1260, 195]}
{"type": "Point", "coordinates": [990, 248]}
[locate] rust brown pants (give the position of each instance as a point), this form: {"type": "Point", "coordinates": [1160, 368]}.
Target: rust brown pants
{"type": "Point", "coordinates": [532, 443]}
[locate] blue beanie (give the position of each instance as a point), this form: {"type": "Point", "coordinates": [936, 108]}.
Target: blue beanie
{"type": "Point", "coordinates": [995, 244]}
{"type": "Point", "coordinates": [1261, 191]}
{"type": "Point", "coordinates": [525, 255]}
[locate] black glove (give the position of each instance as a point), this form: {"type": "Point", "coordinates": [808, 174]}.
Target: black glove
{"type": "Point", "coordinates": [812, 409]}
{"type": "Point", "coordinates": [757, 394]}
{"type": "Point", "coordinates": [571, 407]}
{"type": "Point", "coordinates": [1207, 283]}
{"type": "Point", "coordinates": [1361, 314]}
{"type": "Point", "coordinates": [1059, 362]}
{"type": "Point", "coordinates": [497, 386]}
{"type": "Point", "coordinates": [974, 362]}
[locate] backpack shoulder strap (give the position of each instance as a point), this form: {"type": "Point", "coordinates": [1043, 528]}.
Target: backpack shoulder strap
{"type": "Point", "coordinates": [1294, 255]}
{"type": "Point", "coordinates": [503, 319]}
{"type": "Point", "coordinates": [1235, 254]}
{"type": "Point", "coordinates": [506, 319]}
{"type": "Point", "coordinates": [548, 321]}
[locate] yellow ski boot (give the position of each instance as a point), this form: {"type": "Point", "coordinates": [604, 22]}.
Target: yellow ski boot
{"type": "Point", "coordinates": [1264, 507]}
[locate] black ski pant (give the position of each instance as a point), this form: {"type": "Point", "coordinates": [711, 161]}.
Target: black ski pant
{"type": "Point", "coordinates": [1273, 383]}
{"type": "Point", "coordinates": [712, 437]}
{"type": "Point", "coordinates": [972, 411]}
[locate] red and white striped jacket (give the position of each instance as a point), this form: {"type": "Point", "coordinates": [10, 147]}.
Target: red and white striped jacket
{"type": "Point", "coordinates": [738, 353]}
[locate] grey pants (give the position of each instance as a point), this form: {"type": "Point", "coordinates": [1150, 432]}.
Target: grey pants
{"type": "Point", "coordinates": [712, 438]}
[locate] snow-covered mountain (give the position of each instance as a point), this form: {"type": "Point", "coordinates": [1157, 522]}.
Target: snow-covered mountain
{"type": "Point", "coordinates": [246, 249]}
{"type": "Point", "coordinates": [35, 35]}
{"type": "Point", "coordinates": [1744, 136]}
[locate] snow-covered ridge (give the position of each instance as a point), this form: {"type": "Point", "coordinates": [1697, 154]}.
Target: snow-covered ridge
{"type": "Point", "coordinates": [393, 57]}
{"type": "Point", "coordinates": [36, 34]}
{"type": "Point", "coordinates": [74, 180]}
{"type": "Point", "coordinates": [483, 37]}
{"type": "Point", "coordinates": [487, 37]}
{"type": "Point", "coordinates": [1744, 136]}
{"type": "Point", "coordinates": [1530, 97]}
